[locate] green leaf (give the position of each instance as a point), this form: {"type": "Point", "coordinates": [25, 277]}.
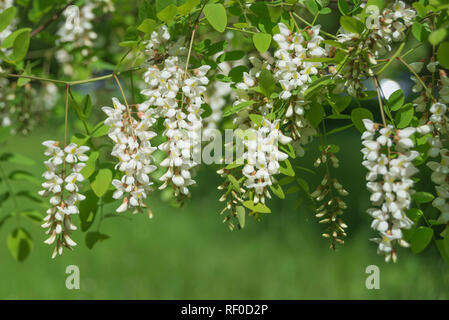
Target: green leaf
{"type": "Point", "coordinates": [168, 13]}
{"type": "Point", "coordinates": [404, 116]}
{"type": "Point", "coordinates": [19, 175]}
{"type": "Point", "coordinates": [443, 247]}
{"type": "Point", "coordinates": [147, 26]}
{"type": "Point", "coordinates": [437, 36]}
{"type": "Point", "coordinates": [315, 114]}
{"type": "Point", "coordinates": [420, 9]}
{"type": "Point", "coordinates": [420, 31]}
{"type": "Point", "coordinates": [421, 239]}
{"type": "Point", "coordinates": [267, 82]}
{"type": "Point", "coordinates": [234, 182]}
{"type": "Point", "coordinates": [4, 196]}
{"type": "Point", "coordinates": [262, 41]}
{"type": "Point", "coordinates": [17, 158]}
{"type": "Point", "coordinates": [100, 130]}
{"type": "Point", "coordinates": [21, 44]}
{"type": "Point", "coordinates": [230, 56]}
{"type": "Point", "coordinates": [422, 197]}
{"type": "Point", "coordinates": [6, 17]}
{"type": "Point", "coordinates": [9, 41]}
{"type": "Point", "coordinates": [79, 138]}
{"type": "Point", "coordinates": [396, 100]}
{"type": "Point", "coordinates": [343, 6]}
{"type": "Point", "coordinates": [88, 210]}
{"type": "Point", "coordinates": [312, 6]}
{"type": "Point", "coordinates": [30, 196]}
{"type": "Point", "coordinates": [188, 6]}
{"type": "Point", "coordinates": [237, 108]}
{"type": "Point", "coordinates": [93, 237]}
{"type": "Point", "coordinates": [215, 14]}
{"type": "Point", "coordinates": [357, 115]}
{"type": "Point", "coordinates": [261, 208]}
{"type": "Point", "coordinates": [33, 215]}
{"type": "Point", "coordinates": [90, 167]}
{"type": "Point", "coordinates": [101, 182]}
{"type": "Point", "coordinates": [288, 169]}
{"type": "Point", "coordinates": [443, 55]}
{"type": "Point", "coordinates": [414, 214]}
{"type": "Point", "coordinates": [20, 244]}
{"type": "Point", "coordinates": [256, 118]}
{"type": "Point", "coordinates": [277, 190]}
{"type": "Point", "coordinates": [241, 215]}
{"type": "Point", "coordinates": [351, 24]}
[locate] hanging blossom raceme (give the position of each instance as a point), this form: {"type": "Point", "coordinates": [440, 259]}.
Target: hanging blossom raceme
{"type": "Point", "coordinates": [384, 28]}
{"type": "Point", "coordinates": [434, 126]}
{"type": "Point", "coordinates": [389, 179]}
{"type": "Point", "coordinates": [132, 146]}
{"type": "Point", "coordinates": [295, 73]}
{"type": "Point", "coordinates": [63, 176]}
{"type": "Point", "coordinates": [328, 194]}
{"type": "Point", "coordinates": [182, 118]}
{"type": "Point", "coordinates": [262, 157]}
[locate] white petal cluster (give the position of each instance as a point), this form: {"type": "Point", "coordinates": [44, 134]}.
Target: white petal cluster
{"type": "Point", "coordinates": [62, 186]}
{"type": "Point", "coordinates": [250, 80]}
{"type": "Point", "coordinates": [181, 117]}
{"type": "Point", "coordinates": [183, 132]}
{"type": "Point", "coordinates": [78, 29]}
{"type": "Point", "coordinates": [292, 70]}
{"type": "Point", "coordinates": [384, 28]}
{"type": "Point", "coordinates": [132, 146]}
{"type": "Point", "coordinates": [262, 158]}
{"type": "Point", "coordinates": [389, 181]}
{"type": "Point", "coordinates": [302, 130]}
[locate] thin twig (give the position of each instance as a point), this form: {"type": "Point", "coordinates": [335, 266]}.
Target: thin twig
{"type": "Point", "coordinates": [51, 20]}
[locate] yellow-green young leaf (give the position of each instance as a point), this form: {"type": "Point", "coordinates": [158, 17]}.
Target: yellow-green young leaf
{"type": "Point", "coordinates": [21, 44]}
{"type": "Point", "coordinates": [188, 6]}
{"type": "Point", "coordinates": [437, 36]}
{"type": "Point", "coordinates": [237, 108]}
{"type": "Point", "coordinates": [351, 24]}
{"type": "Point", "coordinates": [343, 6]}
{"type": "Point", "coordinates": [357, 116]}
{"type": "Point", "coordinates": [6, 17]}
{"type": "Point", "coordinates": [420, 9]}
{"type": "Point", "coordinates": [262, 41]}
{"type": "Point", "coordinates": [421, 239]}
{"type": "Point", "coordinates": [147, 26]}
{"type": "Point", "coordinates": [241, 216]}
{"type": "Point", "coordinates": [215, 14]}
{"type": "Point", "coordinates": [168, 13]}
{"type": "Point", "coordinates": [261, 208]}
{"type": "Point", "coordinates": [23, 175]}
{"type": "Point", "coordinates": [266, 82]}
{"type": "Point", "coordinates": [234, 182]}
{"type": "Point", "coordinates": [20, 244]}
{"type": "Point", "coordinates": [93, 237]}
{"type": "Point", "coordinates": [288, 169]}
{"type": "Point", "coordinates": [312, 6]}
{"type": "Point", "coordinates": [443, 54]}
{"type": "Point", "coordinates": [101, 182]}
{"type": "Point", "coordinates": [277, 190]}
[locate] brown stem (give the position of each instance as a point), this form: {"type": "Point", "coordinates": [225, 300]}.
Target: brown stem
{"type": "Point", "coordinates": [51, 20]}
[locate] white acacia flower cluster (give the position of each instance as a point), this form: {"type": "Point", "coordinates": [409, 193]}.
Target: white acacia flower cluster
{"type": "Point", "coordinates": [384, 28]}
{"type": "Point", "coordinates": [250, 80]}
{"type": "Point", "coordinates": [132, 146]}
{"type": "Point", "coordinates": [389, 179]}
{"type": "Point", "coordinates": [62, 186]}
{"type": "Point", "coordinates": [434, 123]}
{"type": "Point", "coordinates": [292, 70]}
{"type": "Point", "coordinates": [262, 157]}
{"type": "Point", "coordinates": [182, 117]}
{"type": "Point", "coordinates": [78, 28]}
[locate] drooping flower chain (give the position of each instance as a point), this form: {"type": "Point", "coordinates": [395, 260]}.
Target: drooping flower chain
{"type": "Point", "coordinates": [132, 146]}
{"type": "Point", "coordinates": [389, 179]}
{"type": "Point", "coordinates": [63, 189]}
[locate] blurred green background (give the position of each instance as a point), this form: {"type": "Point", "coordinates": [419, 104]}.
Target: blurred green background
{"type": "Point", "coordinates": [188, 253]}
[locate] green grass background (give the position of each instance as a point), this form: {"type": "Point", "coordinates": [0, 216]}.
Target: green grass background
{"type": "Point", "coordinates": [188, 253]}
